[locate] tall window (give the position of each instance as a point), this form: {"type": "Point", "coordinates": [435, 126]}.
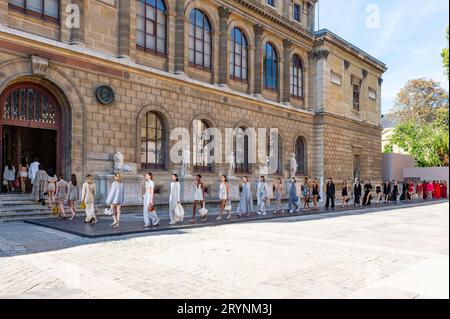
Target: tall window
{"type": "Point", "coordinates": [238, 55]}
{"type": "Point", "coordinates": [296, 77]}
{"type": "Point", "coordinates": [44, 9]}
{"type": "Point", "coordinates": [200, 39]}
{"type": "Point", "coordinates": [152, 142]}
{"type": "Point", "coordinates": [202, 155]}
{"type": "Point", "coordinates": [270, 67]}
{"type": "Point", "coordinates": [271, 2]}
{"type": "Point", "coordinates": [356, 93]}
{"type": "Point", "coordinates": [301, 156]}
{"type": "Point", "coordinates": [151, 27]}
{"type": "Point", "coordinates": [297, 12]}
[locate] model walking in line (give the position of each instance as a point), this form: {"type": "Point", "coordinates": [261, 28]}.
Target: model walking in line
{"type": "Point", "coordinates": [357, 192]}
{"type": "Point", "coordinates": [62, 189]}
{"type": "Point", "coordinates": [344, 193]}
{"type": "Point", "coordinates": [224, 196]}
{"type": "Point", "coordinates": [378, 190]}
{"type": "Point", "coordinates": [88, 198]}
{"type": "Point", "coordinates": [293, 197]}
{"type": "Point", "coordinates": [40, 185]}
{"type": "Point", "coordinates": [331, 193]}
{"type": "Point", "coordinates": [51, 186]}
{"type": "Point", "coordinates": [386, 191]}
{"type": "Point", "coordinates": [174, 198]}
{"type": "Point", "coordinates": [9, 176]}
{"type": "Point", "coordinates": [115, 199]}
{"type": "Point", "coordinates": [73, 195]}
{"type": "Point", "coordinates": [367, 194]}
{"type": "Point", "coordinates": [245, 202]}
{"type": "Point", "coordinates": [278, 190]}
{"type": "Point", "coordinates": [306, 195]}
{"type": "Point", "coordinates": [394, 193]}
{"type": "Point", "coordinates": [23, 174]}
{"type": "Point", "coordinates": [199, 198]}
{"type": "Point", "coordinates": [261, 195]}
{"type": "Point", "coordinates": [316, 193]}
{"type": "Point", "coordinates": [149, 211]}
{"type": "Point", "coordinates": [419, 190]}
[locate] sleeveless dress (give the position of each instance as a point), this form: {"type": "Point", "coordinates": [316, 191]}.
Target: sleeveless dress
{"type": "Point", "coordinates": [198, 195]}
{"type": "Point", "coordinates": [222, 191]}
{"type": "Point", "coordinates": [74, 193]}
{"type": "Point", "coordinates": [63, 188]}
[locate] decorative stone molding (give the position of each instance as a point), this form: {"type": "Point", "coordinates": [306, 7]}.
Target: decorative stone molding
{"type": "Point", "coordinates": [320, 54]}
{"type": "Point", "coordinates": [364, 73]}
{"type": "Point", "coordinates": [224, 13]}
{"type": "Point", "coordinates": [288, 44]}
{"type": "Point", "coordinates": [39, 65]}
{"type": "Point", "coordinates": [104, 94]}
{"type": "Point", "coordinates": [259, 30]}
{"type": "Point", "coordinates": [346, 64]}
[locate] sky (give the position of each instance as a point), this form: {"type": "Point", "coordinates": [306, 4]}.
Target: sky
{"type": "Point", "coordinates": [407, 35]}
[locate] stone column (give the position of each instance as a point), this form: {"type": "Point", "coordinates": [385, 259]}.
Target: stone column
{"type": "Point", "coordinates": [77, 34]}
{"type": "Point", "coordinates": [224, 14]}
{"type": "Point", "coordinates": [180, 37]}
{"type": "Point", "coordinates": [320, 58]}
{"type": "Point", "coordinates": [287, 46]}
{"type": "Point", "coordinates": [124, 29]}
{"type": "Point", "coordinates": [259, 31]}
{"type": "Point", "coordinates": [312, 17]}
{"type": "Point", "coordinates": [380, 85]}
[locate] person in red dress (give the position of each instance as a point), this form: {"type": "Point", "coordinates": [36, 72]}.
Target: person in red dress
{"type": "Point", "coordinates": [425, 190]}
{"type": "Point", "coordinates": [411, 190]}
{"type": "Point", "coordinates": [437, 190]}
{"type": "Point", "coordinates": [444, 190]}
{"type": "Point", "coordinates": [419, 190]}
{"type": "Point", "coordinates": [430, 190]}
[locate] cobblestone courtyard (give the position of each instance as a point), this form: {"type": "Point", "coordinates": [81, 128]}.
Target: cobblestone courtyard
{"type": "Point", "coordinates": [400, 253]}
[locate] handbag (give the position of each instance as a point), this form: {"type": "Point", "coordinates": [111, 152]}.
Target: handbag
{"type": "Point", "coordinates": [179, 213]}
{"type": "Point", "coordinates": [108, 211]}
{"type": "Point", "coordinates": [203, 211]}
{"type": "Point", "coordinates": [55, 209]}
{"type": "Point", "coordinates": [82, 205]}
{"type": "Point", "coordinates": [151, 208]}
{"type": "Point", "coordinates": [5, 182]}
{"type": "Point", "coordinates": [228, 207]}
{"type": "Point", "coordinates": [16, 183]}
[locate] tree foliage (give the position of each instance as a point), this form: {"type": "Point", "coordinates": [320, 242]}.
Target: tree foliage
{"type": "Point", "coordinates": [423, 123]}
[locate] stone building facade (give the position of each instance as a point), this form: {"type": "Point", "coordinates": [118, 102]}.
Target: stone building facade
{"type": "Point", "coordinates": [173, 63]}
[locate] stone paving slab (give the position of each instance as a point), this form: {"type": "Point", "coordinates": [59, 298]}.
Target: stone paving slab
{"type": "Point", "coordinates": [133, 224]}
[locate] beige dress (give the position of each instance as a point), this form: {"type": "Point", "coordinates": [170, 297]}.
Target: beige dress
{"type": "Point", "coordinates": [88, 196]}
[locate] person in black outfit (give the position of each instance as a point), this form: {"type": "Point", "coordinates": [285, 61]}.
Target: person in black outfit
{"type": "Point", "coordinates": [331, 193]}
{"type": "Point", "coordinates": [394, 193]}
{"type": "Point", "coordinates": [403, 194]}
{"type": "Point", "coordinates": [367, 193]}
{"type": "Point", "coordinates": [345, 198]}
{"type": "Point", "coordinates": [357, 191]}
{"type": "Point", "coordinates": [386, 191]}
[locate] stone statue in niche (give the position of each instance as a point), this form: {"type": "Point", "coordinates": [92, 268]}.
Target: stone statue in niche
{"type": "Point", "coordinates": [294, 165]}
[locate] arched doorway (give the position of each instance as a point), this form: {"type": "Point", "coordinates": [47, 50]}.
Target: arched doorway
{"type": "Point", "coordinates": [30, 126]}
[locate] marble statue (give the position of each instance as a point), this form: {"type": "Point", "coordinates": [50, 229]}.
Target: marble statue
{"type": "Point", "coordinates": [232, 164]}
{"type": "Point", "coordinates": [186, 160]}
{"type": "Point", "coordinates": [294, 165]}
{"type": "Point", "coordinates": [121, 167]}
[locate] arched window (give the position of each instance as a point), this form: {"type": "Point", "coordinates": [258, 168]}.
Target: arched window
{"type": "Point", "coordinates": [238, 55]}
{"type": "Point", "coordinates": [202, 155]}
{"type": "Point", "coordinates": [241, 151]}
{"type": "Point", "coordinates": [152, 141]}
{"type": "Point", "coordinates": [270, 67]}
{"type": "Point", "coordinates": [151, 33]}
{"type": "Point", "coordinates": [296, 77]}
{"type": "Point", "coordinates": [200, 41]}
{"type": "Point", "coordinates": [44, 9]}
{"type": "Point", "coordinates": [301, 156]}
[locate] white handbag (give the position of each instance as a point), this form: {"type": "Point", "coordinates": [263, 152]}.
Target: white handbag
{"type": "Point", "coordinates": [108, 211]}
{"type": "Point", "coordinates": [179, 213]}
{"type": "Point", "coordinates": [203, 211]}
{"type": "Point", "coordinates": [228, 207]}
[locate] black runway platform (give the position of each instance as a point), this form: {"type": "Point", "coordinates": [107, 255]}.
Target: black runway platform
{"type": "Point", "coordinates": [132, 223]}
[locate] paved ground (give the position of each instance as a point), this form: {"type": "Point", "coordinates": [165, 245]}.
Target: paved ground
{"type": "Point", "coordinates": [401, 253]}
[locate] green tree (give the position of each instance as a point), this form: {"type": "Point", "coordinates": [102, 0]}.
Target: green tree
{"type": "Point", "coordinates": [423, 116]}
{"type": "Point", "coordinates": [445, 57]}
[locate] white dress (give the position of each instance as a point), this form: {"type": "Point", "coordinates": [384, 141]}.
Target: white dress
{"type": "Point", "coordinates": [174, 198]}
{"type": "Point", "coordinates": [198, 195]}
{"type": "Point", "coordinates": [116, 194]}
{"type": "Point", "coordinates": [9, 174]}
{"type": "Point", "coordinates": [88, 195]}
{"type": "Point", "coordinates": [223, 191]}
{"type": "Point", "coordinates": [150, 218]}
